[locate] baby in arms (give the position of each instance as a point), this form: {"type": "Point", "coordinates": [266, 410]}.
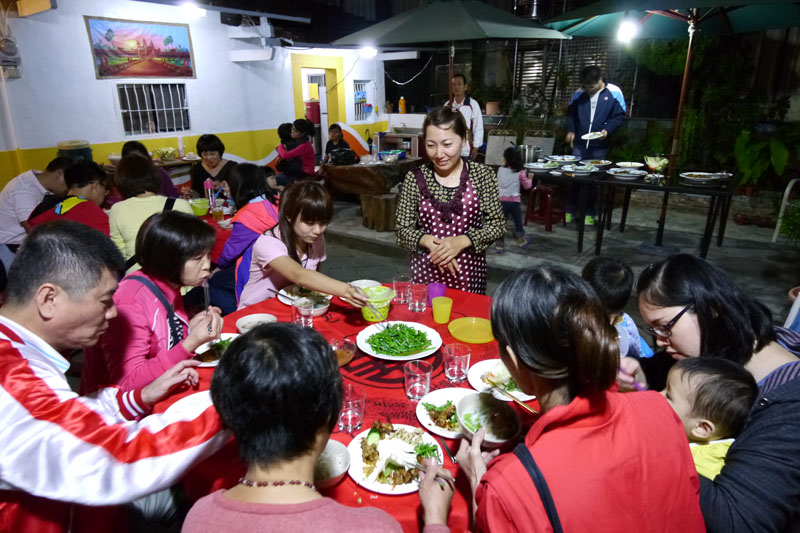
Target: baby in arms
{"type": "Point", "coordinates": [713, 398]}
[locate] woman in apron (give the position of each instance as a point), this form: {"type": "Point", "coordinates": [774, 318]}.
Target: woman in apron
{"type": "Point", "coordinates": [449, 210]}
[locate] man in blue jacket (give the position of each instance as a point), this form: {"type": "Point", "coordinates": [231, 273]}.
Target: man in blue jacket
{"type": "Point", "coordinates": [597, 107]}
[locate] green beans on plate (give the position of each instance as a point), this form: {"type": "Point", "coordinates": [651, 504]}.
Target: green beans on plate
{"type": "Point", "coordinates": [399, 340]}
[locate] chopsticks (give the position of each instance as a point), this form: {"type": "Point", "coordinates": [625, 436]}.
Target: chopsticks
{"type": "Point", "coordinates": [382, 321]}
{"type": "Point", "coordinates": [277, 293]}
{"type": "Point", "coordinates": [444, 476]}
{"type": "Point", "coordinates": [447, 450]}
{"type": "Point", "coordinates": [207, 301]}
{"type": "Point", "coordinates": [512, 397]}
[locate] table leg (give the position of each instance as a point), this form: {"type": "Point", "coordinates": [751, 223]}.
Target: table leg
{"type": "Point", "coordinates": [723, 220]}
{"type": "Point", "coordinates": [711, 220]}
{"type": "Point", "coordinates": [606, 207]}
{"type": "Point", "coordinates": [662, 220]}
{"type": "Point", "coordinates": [581, 214]}
{"type": "Point", "coordinates": [625, 204]}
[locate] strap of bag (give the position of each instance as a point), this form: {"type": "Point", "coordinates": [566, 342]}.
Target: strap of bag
{"type": "Point", "coordinates": [168, 205]}
{"type": "Point", "coordinates": [524, 454]}
{"type": "Point", "coordinates": [176, 332]}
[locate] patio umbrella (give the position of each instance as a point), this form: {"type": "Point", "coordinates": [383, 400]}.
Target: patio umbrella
{"type": "Point", "coordinates": [671, 19]}
{"type": "Point", "coordinates": [448, 20]}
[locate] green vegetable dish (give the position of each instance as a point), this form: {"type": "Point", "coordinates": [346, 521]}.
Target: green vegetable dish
{"type": "Point", "coordinates": [214, 351]}
{"type": "Point", "coordinates": [399, 340]}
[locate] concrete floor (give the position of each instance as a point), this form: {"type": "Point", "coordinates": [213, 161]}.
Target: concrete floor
{"type": "Point", "coordinates": [762, 269]}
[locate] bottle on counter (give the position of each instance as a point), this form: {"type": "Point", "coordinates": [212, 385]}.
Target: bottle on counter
{"type": "Point", "coordinates": [401, 105]}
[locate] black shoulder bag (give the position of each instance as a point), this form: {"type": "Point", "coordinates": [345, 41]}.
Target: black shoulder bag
{"type": "Point", "coordinates": [175, 329]}
{"type": "Point", "coordinates": [167, 207]}
{"type": "Point", "coordinates": [524, 454]}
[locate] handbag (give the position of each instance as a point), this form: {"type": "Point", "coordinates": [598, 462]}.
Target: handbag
{"type": "Point", "coordinates": [524, 455]}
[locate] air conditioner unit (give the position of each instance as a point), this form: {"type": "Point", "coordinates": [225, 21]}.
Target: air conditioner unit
{"type": "Point", "coordinates": [9, 58]}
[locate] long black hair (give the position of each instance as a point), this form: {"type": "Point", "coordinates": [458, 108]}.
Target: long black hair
{"type": "Point", "coordinates": [557, 328]}
{"type": "Point", "coordinates": [249, 181]}
{"type": "Point", "coordinates": [732, 325]}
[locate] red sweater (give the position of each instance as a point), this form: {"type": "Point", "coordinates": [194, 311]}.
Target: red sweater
{"type": "Point", "coordinates": [618, 463]}
{"type": "Point", "coordinates": [305, 151]}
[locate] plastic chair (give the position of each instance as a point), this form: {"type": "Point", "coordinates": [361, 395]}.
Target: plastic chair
{"type": "Point", "coordinates": [793, 320]}
{"type": "Point", "coordinates": [540, 207]}
{"type": "Point", "coordinates": [784, 201]}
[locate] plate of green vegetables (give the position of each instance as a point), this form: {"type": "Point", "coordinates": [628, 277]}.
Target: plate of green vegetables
{"type": "Point", "coordinates": [398, 341]}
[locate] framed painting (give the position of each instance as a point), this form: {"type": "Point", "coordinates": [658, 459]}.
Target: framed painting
{"type": "Point", "coordinates": [136, 49]}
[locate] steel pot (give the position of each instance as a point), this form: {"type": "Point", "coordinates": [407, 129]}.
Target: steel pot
{"type": "Point", "coordinates": [529, 153]}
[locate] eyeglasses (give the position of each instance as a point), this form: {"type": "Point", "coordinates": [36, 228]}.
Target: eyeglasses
{"type": "Point", "coordinates": [666, 329]}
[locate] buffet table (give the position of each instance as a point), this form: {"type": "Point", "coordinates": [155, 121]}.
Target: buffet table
{"type": "Point", "coordinates": [385, 401]}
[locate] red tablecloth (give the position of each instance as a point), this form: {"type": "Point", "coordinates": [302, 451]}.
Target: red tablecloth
{"type": "Point", "coordinates": [222, 236]}
{"type": "Point", "coordinates": [386, 399]}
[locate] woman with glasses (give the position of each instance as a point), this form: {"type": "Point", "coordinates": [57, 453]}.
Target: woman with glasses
{"type": "Point", "coordinates": [610, 461]}
{"type": "Point", "coordinates": [695, 310]}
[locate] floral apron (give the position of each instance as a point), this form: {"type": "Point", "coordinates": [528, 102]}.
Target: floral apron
{"type": "Point", "coordinates": [434, 221]}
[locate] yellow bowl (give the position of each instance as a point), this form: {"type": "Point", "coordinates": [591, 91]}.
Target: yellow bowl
{"type": "Point", "coordinates": [199, 206]}
{"type": "Point", "coordinates": [380, 298]}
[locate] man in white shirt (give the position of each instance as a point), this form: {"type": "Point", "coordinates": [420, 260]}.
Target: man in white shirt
{"type": "Point", "coordinates": [20, 196]}
{"type": "Point", "coordinates": [471, 111]}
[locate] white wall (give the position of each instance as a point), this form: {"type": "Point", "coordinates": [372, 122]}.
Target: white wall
{"type": "Point", "coordinates": [59, 97]}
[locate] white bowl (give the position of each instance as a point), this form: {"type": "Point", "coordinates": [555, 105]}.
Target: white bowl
{"type": "Point", "coordinates": [502, 418]}
{"type": "Point", "coordinates": [365, 283]}
{"type": "Point", "coordinates": [114, 157]}
{"type": "Point", "coordinates": [246, 323]}
{"type": "Point", "coordinates": [332, 465]}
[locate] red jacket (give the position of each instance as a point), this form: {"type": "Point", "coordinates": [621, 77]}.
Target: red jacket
{"type": "Point", "coordinates": [77, 209]}
{"type": "Point", "coordinates": [305, 151]}
{"type": "Point", "coordinates": [620, 462]}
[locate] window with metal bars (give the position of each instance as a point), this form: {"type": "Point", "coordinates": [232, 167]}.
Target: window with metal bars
{"type": "Point", "coordinates": [153, 108]}
{"type": "Point", "coordinates": [360, 96]}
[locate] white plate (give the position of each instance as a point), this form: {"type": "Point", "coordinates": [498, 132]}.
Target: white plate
{"type": "Point", "coordinates": [570, 169]}
{"type": "Point", "coordinates": [591, 136]}
{"type": "Point", "coordinates": [225, 224]}
{"type": "Point", "coordinates": [626, 173]}
{"type": "Point", "coordinates": [367, 332]}
{"type": "Point", "coordinates": [630, 164]}
{"type": "Point", "coordinates": [596, 162]}
{"type": "Point", "coordinates": [191, 158]}
{"type": "Point", "coordinates": [365, 283]}
{"type": "Point", "coordinates": [440, 397]}
{"type": "Point", "coordinates": [356, 470]}
{"type": "Point", "coordinates": [204, 347]}
{"type": "Point", "coordinates": [484, 367]}
{"type": "Point", "coordinates": [562, 159]}
{"type": "Point", "coordinates": [285, 298]}
{"type": "Point", "coordinates": [698, 177]}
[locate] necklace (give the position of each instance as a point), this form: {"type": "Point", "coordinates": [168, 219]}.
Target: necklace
{"type": "Point", "coordinates": [279, 483]}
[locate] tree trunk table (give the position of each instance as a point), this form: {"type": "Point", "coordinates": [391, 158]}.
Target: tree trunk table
{"type": "Point", "coordinates": [369, 179]}
{"type": "Point", "coordinates": [378, 211]}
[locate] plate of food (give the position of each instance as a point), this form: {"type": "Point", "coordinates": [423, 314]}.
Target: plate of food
{"type": "Point", "coordinates": [579, 170]}
{"type": "Point", "coordinates": [698, 177]}
{"type": "Point", "coordinates": [322, 301]}
{"type": "Point", "coordinates": [592, 135]}
{"type": "Point", "coordinates": [209, 353]}
{"type": "Point", "coordinates": [383, 458]}
{"type": "Point", "coordinates": [630, 164]}
{"type": "Point", "coordinates": [626, 173]}
{"type": "Point", "coordinates": [541, 167]}
{"type": "Point", "coordinates": [563, 159]}
{"type": "Point", "coordinates": [599, 163]}
{"type": "Point", "coordinates": [398, 341]}
{"type": "Point", "coordinates": [482, 372]}
{"type": "Point", "coordinates": [436, 411]}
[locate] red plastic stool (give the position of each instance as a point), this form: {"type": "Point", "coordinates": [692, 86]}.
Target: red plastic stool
{"type": "Point", "coordinates": [540, 208]}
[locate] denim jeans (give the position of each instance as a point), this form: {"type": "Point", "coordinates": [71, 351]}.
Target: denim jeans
{"type": "Point", "coordinates": [591, 190]}
{"type": "Point", "coordinates": [513, 210]}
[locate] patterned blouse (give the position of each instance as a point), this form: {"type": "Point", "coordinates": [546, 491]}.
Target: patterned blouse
{"type": "Point", "coordinates": [484, 180]}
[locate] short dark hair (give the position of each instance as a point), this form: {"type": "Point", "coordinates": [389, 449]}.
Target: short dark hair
{"type": "Point", "coordinates": [732, 325]}
{"type": "Point", "coordinates": [66, 253]}
{"type": "Point", "coordinates": [304, 126]}
{"type": "Point", "coordinates": [167, 240]}
{"type": "Point", "coordinates": [590, 74]}
{"type": "Point", "coordinates": [335, 127]}
{"type": "Point", "coordinates": [59, 163]}
{"type": "Point", "coordinates": [275, 388]}
{"type": "Point", "coordinates": [513, 158]}
{"type": "Point", "coordinates": [136, 174]}
{"type": "Point", "coordinates": [308, 200]}
{"type": "Point", "coordinates": [445, 117]}
{"type": "Point", "coordinates": [460, 75]}
{"type": "Point", "coordinates": [131, 147]}
{"type": "Point", "coordinates": [83, 173]}
{"type": "Point", "coordinates": [719, 390]}
{"type": "Point", "coordinates": [612, 281]}
{"type": "Point", "coordinates": [248, 181]}
{"type": "Point", "coordinates": [285, 132]}
{"type": "Point", "coordinates": [208, 142]}
{"type": "Point", "coordinates": [557, 328]}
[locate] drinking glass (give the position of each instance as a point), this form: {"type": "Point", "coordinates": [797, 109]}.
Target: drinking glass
{"type": "Point", "coordinates": [456, 362]}
{"type": "Point", "coordinates": [352, 414]}
{"type": "Point", "coordinates": [418, 297]}
{"type": "Point", "coordinates": [417, 379]}
{"type": "Point", "coordinates": [218, 213]}
{"type": "Point", "coordinates": [402, 284]}
{"type": "Point", "coordinates": [303, 312]}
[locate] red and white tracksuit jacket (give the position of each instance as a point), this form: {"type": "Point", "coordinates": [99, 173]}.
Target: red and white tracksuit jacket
{"type": "Point", "coordinates": [88, 449]}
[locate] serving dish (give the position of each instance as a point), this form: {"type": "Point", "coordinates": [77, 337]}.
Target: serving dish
{"type": "Point", "coordinates": [434, 338]}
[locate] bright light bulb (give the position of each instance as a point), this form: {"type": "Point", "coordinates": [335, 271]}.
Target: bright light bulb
{"type": "Point", "coordinates": [627, 31]}
{"type": "Point", "coordinates": [368, 52]}
{"type": "Point", "coordinates": [190, 10]}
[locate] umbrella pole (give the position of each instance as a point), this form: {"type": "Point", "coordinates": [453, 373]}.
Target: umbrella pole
{"type": "Point", "coordinates": [452, 54]}
{"type": "Point", "coordinates": [673, 156]}
{"type": "Point", "coordinates": [514, 73]}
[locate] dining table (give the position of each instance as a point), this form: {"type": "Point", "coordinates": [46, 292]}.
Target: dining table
{"type": "Point", "coordinates": [386, 401]}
